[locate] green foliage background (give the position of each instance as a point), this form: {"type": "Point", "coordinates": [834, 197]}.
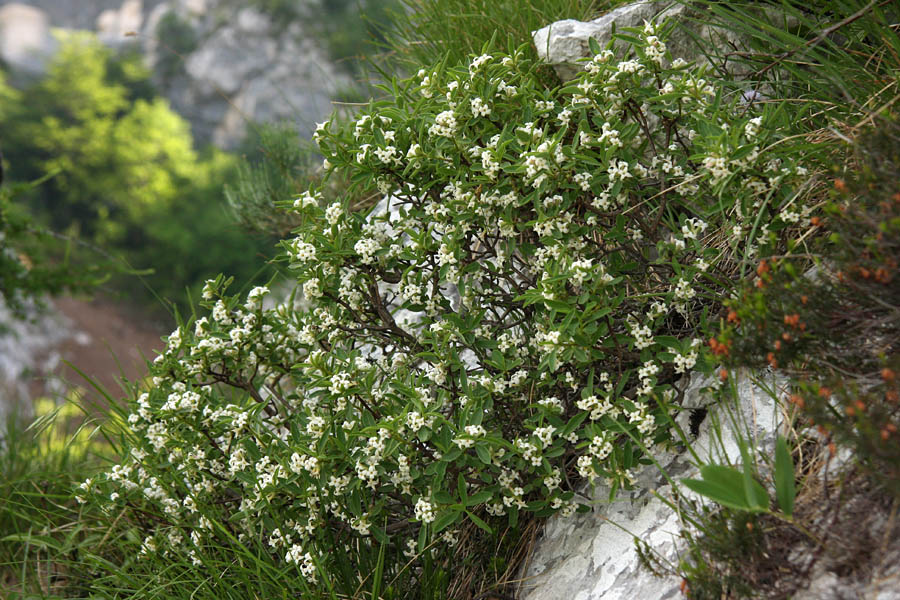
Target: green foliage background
{"type": "Point", "coordinates": [124, 173]}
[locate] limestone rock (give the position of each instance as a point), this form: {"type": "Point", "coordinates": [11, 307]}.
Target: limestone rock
{"type": "Point", "coordinates": [563, 43]}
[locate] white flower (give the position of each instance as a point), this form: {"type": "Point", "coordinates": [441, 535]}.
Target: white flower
{"type": "Point", "coordinates": [444, 124]}
{"type": "Point", "coordinates": [717, 167]}
{"type": "Point", "coordinates": [334, 213]}
{"type": "Point", "coordinates": [751, 129]}
{"type": "Point", "coordinates": [618, 170]}
{"type": "Point", "coordinates": [306, 199]}
{"type": "Point", "coordinates": [583, 180]}
{"type": "Point", "coordinates": [302, 251]}
{"type": "Point", "coordinates": [312, 289]}
{"type": "Point", "coordinates": [424, 510]}
{"type": "Point", "coordinates": [479, 108]}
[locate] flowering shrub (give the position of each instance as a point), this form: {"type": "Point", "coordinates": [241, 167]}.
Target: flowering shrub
{"type": "Point", "coordinates": [506, 323]}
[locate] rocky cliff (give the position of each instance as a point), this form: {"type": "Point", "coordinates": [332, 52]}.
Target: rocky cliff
{"type": "Point", "coordinates": [221, 63]}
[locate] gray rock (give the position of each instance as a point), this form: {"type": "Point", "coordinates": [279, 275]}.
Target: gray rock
{"type": "Point", "coordinates": [563, 43]}
{"type": "Point", "coordinates": [27, 349]}
{"type": "Point", "coordinates": [244, 69]}
{"type": "Point", "coordinates": [25, 39]}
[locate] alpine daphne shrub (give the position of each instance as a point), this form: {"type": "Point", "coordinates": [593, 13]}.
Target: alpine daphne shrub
{"type": "Point", "coordinates": [506, 324]}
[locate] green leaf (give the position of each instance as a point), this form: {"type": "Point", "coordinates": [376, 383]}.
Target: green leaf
{"type": "Point", "coordinates": [479, 522]}
{"type": "Point", "coordinates": [355, 506]}
{"type": "Point", "coordinates": [423, 537]}
{"type": "Point", "coordinates": [513, 516]}
{"type": "Point", "coordinates": [461, 488]}
{"type": "Point", "coordinates": [445, 519]}
{"type": "Point", "coordinates": [574, 423]}
{"type": "Point", "coordinates": [558, 306]}
{"type": "Point", "coordinates": [724, 485]}
{"type": "Point", "coordinates": [785, 489]}
{"type": "Point", "coordinates": [379, 534]}
{"type": "Point", "coordinates": [755, 493]}
{"type": "Point", "coordinates": [483, 453]}
{"type": "Point", "coordinates": [479, 498]}
{"type": "Point", "coordinates": [443, 497]}
{"type": "Point", "coordinates": [594, 45]}
{"type": "Point", "coordinates": [43, 541]}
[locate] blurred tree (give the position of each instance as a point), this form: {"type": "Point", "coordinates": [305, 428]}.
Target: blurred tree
{"type": "Point", "coordinates": [125, 173]}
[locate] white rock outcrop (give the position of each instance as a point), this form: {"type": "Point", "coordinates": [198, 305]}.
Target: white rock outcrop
{"type": "Point", "coordinates": [563, 43]}
{"type": "Point", "coordinates": [591, 556]}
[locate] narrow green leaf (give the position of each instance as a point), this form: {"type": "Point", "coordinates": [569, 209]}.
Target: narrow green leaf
{"type": "Point", "coordinates": [785, 490]}
{"type": "Point", "coordinates": [423, 537]}
{"type": "Point", "coordinates": [445, 519]}
{"type": "Point", "coordinates": [479, 522]}
{"type": "Point", "coordinates": [43, 541]}
{"type": "Point", "coordinates": [479, 498]}
{"type": "Point", "coordinates": [721, 484]}
{"type": "Point", "coordinates": [755, 493]}
{"type": "Point", "coordinates": [443, 497]}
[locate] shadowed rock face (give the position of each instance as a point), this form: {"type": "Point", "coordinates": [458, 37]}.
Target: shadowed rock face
{"type": "Point", "coordinates": [241, 68]}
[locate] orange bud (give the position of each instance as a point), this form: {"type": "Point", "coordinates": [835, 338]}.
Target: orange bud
{"type": "Point", "coordinates": [840, 185]}
{"type": "Point", "coordinates": [887, 374]}
{"type": "Point", "coordinates": [723, 374]}
{"type": "Point", "coordinates": [824, 392]}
